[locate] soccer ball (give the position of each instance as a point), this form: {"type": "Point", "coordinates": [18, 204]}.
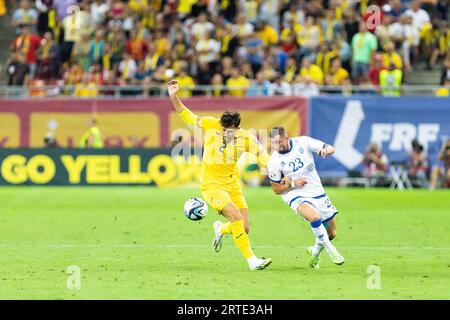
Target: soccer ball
{"type": "Point", "coordinates": [195, 208]}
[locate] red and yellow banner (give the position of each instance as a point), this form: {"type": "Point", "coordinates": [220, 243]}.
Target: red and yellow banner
{"type": "Point", "coordinates": [135, 123]}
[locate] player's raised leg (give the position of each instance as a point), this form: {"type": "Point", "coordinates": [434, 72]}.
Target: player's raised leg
{"type": "Point", "coordinates": [314, 251]}
{"type": "Point", "coordinates": [241, 239]}
{"type": "Point", "coordinates": [309, 213]}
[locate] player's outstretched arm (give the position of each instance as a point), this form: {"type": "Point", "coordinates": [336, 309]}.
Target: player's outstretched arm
{"type": "Point", "coordinates": [287, 184]}
{"type": "Point", "coordinates": [326, 151]}
{"type": "Point", "coordinates": [186, 115]}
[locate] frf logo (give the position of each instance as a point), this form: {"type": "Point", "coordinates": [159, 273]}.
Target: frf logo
{"type": "Point", "coordinates": [397, 135]}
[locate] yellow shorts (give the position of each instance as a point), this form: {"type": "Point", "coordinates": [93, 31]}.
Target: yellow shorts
{"type": "Point", "coordinates": [218, 197]}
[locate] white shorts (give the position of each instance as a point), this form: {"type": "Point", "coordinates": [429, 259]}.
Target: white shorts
{"type": "Point", "coordinates": [321, 203]}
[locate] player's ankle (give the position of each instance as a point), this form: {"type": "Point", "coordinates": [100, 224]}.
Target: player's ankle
{"type": "Point", "coordinates": [252, 260]}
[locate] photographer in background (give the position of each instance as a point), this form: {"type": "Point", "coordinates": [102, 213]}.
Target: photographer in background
{"type": "Point", "coordinates": [375, 164]}
{"type": "Point", "coordinates": [442, 170]}
{"type": "Point", "coordinates": [50, 140]}
{"type": "Point", "coordinates": [418, 166]}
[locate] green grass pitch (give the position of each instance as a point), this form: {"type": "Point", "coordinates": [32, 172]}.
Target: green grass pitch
{"type": "Point", "coordinates": [135, 243]}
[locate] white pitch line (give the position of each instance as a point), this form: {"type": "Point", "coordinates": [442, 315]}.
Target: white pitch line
{"type": "Point", "coordinates": [193, 246]}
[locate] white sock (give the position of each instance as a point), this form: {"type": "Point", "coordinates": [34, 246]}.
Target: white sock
{"type": "Point", "coordinates": [317, 249]}
{"type": "Point", "coordinates": [321, 234]}
{"type": "Point", "coordinates": [252, 260]}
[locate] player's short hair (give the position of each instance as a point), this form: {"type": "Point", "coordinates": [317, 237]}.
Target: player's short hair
{"type": "Point", "coordinates": [277, 131]}
{"type": "Point", "coordinates": [230, 119]}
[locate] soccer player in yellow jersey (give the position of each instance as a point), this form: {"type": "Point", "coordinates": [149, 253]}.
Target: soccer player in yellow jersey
{"type": "Point", "coordinates": [224, 143]}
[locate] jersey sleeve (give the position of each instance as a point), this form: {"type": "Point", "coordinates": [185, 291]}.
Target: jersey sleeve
{"type": "Point", "coordinates": [208, 123]}
{"type": "Point", "coordinates": [312, 144]}
{"type": "Point", "coordinates": [274, 171]}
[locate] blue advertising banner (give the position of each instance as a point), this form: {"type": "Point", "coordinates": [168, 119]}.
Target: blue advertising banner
{"type": "Point", "coordinates": [351, 123]}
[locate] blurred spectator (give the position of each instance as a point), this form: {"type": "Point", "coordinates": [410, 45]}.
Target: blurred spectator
{"type": "Point", "coordinates": [418, 167]}
{"type": "Point", "coordinates": [391, 81]}
{"type": "Point", "coordinates": [260, 87]}
{"type": "Point", "coordinates": [75, 25]}
{"type": "Point", "coordinates": [87, 88]}
{"type": "Point", "coordinates": [279, 59]}
{"type": "Point", "coordinates": [43, 8]}
{"type": "Point", "coordinates": [405, 37]}
{"type": "Point", "coordinates": [186, 83]}
{"type": "Point", "coordinates": [135, 45]}
{"type": "Point", "coordinates": [127, 68]}
{"type": "Point", "coordinates": [309, 38]}
{"type": "Point", "coordinates": [18, 70]}
{"type": "Point", "coordinates": [25, 15]}
{"type": "Point", "coordinates": [311, 71]}
{"type": "Point", "coordinates": [294, 14]}
{"type": "Point", "coordinates": [364, 45]}
{"type": "Point", "coordinates": [254, 54]}
{"type": "Point", "coordinates": [419, 16]}
{"type": "Point", "coordinates": [267, 33]}
{"type": "Point", "coordinates": [351, 24]}
{"type": "Point", "coordinates": [305, 86]}
{"type": "Point", "coordinates": [375, 164]}
{"type": "Point", "coordinates": [202, 26]}
{"type": "Point", "coordinates": [391, 57]}
{"type": "Point", "coordinates": [337, 76]}
{"type": "Point", "coordinates": [27, 43]}
{"type": "Point", "coordinates": [394, 9]}
{"type": "Point", "coordinates": [237, 81]}
{"type": "Point", "coordinates": [229, 41]}
{"type": "Point", "coordinates": [330, 25]}
{"type": "Point", "coordinates": [441, 172]}
{"type": "Point", "coordinates": [375, 69]}
{"type": "Point", "coordinates": [92, 138]}
{"type": "Point", "coordinates": [208, 50]}
{"type": "Point", "coordinates": [217, 83]}
{"type": "Point", "coordinates": [99, 11]}
{"type": "Point", "coordinates": [280, 87]}
{"type": "Point", "coordinates": [243, 28]}
{"type": "Point", "coordinates": [49, 58]}
{"type": "Point", "coordinates": [81, 52]}
{"type": "Point", "coordinates": [97, 46]}
{"type": "Point", "coordinates": [291, 70]}
{"type": "Point", "coordinates": [324, 56]}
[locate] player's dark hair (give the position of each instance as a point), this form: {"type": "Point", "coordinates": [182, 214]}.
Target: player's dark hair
{"type": "Point", "coordinates": [277, 131]}
{"type": "Point", "coordinates": [230, 119]}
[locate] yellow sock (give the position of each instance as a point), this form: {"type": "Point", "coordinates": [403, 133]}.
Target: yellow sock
{"type": "Point", "coordinates": [226, 228]}
{"type": "Point", "coordinates": [241, 238]}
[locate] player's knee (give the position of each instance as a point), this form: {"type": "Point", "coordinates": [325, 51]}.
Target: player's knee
{"type": "Point", "coordinates": [247, 228]}
{"type": "Point", "coordinates": [315, 216]}
{"type": "Point", "coordinates": [235, 215]}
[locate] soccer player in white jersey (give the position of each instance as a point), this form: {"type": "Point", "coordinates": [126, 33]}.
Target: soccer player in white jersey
{"type": "Point", "coordinates": [293, 175]}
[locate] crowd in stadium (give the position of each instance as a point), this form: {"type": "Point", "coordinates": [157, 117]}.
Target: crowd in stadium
{"type": "Point", "coordinates": [242, 47]}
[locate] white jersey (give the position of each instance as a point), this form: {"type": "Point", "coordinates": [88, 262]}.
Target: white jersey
{"type": "Point", "coordinates": [295, 164]}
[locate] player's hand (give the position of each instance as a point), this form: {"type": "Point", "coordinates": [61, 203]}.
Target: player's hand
{"type": "Point", "coordinates": [299, 183]}
{"type": "Point", "coordinates": [172, 87]}
{"type": "Point", "coordinates": [286, 181]}
{"type": "Point", "coordinates": [322, 153]}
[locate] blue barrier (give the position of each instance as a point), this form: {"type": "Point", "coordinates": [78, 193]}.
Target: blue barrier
{"type": "Point", "coordinates": [351, 123]}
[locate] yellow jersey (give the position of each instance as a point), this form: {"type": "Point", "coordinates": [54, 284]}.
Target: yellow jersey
{"type": "Point", "coordinates": [242, 82]}
{"type": "Point", "coordinates": [219, 163]}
